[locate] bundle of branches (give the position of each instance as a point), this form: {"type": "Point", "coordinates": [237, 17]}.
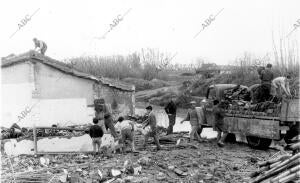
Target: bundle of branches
{"type": "Point", "coordinates": [283, 169]}
{"type": "Point", "coordinates": [237, 93]}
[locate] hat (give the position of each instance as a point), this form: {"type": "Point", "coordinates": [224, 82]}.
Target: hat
{"type": "Point", "coordinates": [106, 116]}
{"type": "Point", "coordinates": [149, 107]}
{"type": "Point", "coordinates": [120, 118]}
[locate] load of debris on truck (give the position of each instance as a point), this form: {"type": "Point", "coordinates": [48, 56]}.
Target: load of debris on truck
{"type": "Point", "coordinates": [240, 100]}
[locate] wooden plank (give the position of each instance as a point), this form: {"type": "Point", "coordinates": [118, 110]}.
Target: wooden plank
{"type": "Point", "coordinates": [65, 152]}
{"type": "Point", "coordinates": [60, 128]}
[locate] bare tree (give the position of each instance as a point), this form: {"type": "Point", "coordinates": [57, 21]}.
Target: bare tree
{"type": "Point", "coordinates": [154, 61]}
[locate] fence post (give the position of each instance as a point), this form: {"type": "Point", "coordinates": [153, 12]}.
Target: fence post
{"type": "Point", "coordinates": [34, 140]}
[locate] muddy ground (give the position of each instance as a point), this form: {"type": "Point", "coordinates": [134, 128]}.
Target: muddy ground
{"type": "Point", "coordinates": [186, 162]}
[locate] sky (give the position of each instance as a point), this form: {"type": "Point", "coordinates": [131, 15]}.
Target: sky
{"type": "Point", "coordinates": [70, 28]}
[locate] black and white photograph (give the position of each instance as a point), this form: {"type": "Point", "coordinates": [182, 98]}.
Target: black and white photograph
{"type": "Point", "coordinates": [146, 91]}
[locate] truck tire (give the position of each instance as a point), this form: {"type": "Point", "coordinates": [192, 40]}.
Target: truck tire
{"type": "Point", "coordinates": [258, 143]}
{"type": "Point", "coordinates": [230, 138]}
{"type": "Point", "coordinates": [293, 132]}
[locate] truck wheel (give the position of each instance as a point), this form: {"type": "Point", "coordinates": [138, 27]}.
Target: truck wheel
{"type": "Point", "coordinates": [290, 135]}
{"type": "Point", "coordinates": [230, 138]}
{"type": "Point", "coordinates": [258, 143]}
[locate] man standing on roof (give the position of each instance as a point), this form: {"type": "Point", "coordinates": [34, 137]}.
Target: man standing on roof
{"type": "Point", "coordinates": [39, 46]}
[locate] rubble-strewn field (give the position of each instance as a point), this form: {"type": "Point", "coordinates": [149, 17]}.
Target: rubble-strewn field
{"type": "Point", "coordinates": [186, 162]}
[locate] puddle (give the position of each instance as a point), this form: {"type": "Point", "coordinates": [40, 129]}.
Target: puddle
{"type": "Point", "coordinates": [162, 120]}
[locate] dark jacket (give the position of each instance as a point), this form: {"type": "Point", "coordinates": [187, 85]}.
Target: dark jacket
{"type": "Point", "coordinates": [109, 124]}
{"type": "Point", "coordinates": [171, 108]}
{"type": "Point", "coordinates": [219, 114]}
{"type": "Point", "coordinates": [266, 76]}
{"type": "Point", "coordinates": [96, 131]}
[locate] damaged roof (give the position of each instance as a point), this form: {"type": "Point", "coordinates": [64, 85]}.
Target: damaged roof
{"type": "Point", "coordinates": [35, 56]}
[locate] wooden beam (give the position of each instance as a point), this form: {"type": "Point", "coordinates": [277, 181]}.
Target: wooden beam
{"type": "Point", "coordinates": [60, 128]}
{"type": "Point", "coordinates": [65, 152]}
{"type": "Point", "coordinates": [34, 140]}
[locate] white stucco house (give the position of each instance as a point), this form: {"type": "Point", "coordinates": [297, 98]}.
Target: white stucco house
{"type": "Point", "coordinates": [38, 90]}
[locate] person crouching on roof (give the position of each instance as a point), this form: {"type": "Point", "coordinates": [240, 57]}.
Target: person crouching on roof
{"type": "Point", "coordinates": [40, 46]}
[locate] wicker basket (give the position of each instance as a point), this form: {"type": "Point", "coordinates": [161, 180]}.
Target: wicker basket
{"type": "Point", "coordinates": [139, 140]}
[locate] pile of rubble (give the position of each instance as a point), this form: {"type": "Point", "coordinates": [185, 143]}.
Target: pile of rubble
{"type": "Point", "coordinates": [178, 161]}
{"type": "Point", "coordinates": [21, 133]}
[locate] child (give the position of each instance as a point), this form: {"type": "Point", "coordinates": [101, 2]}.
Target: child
{"type": "Point", "coordinates": [96, 134]}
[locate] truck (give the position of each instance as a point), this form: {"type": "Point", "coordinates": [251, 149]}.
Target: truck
{"type": "Point", "coordinates": [259, 128]}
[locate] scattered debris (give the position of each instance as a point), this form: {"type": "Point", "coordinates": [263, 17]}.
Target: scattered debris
{"type": "Point", "coordinates": [188, 162]}
{"type": "Point", "coordinates": [282, 169]}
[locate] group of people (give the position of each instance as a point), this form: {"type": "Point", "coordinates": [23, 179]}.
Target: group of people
{"type": "Point", "coordinates": [103, 122]}
{"type": "Point", "coordinates": [270, 86]}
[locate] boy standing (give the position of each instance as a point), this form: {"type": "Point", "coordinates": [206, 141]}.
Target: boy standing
{"type": "Point", "coordinates": [96, 134]}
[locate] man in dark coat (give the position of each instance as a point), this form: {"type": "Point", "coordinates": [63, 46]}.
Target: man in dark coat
{"type": "Point", "coordinates": [171, 112]}
{"type": "Point", "coordinates": [266, 77]}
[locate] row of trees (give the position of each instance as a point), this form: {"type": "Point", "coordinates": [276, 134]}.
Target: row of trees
{"type": "Point", "coordinates": [147, 64]}
{"type": "Point", "coordinates": [152, 63]}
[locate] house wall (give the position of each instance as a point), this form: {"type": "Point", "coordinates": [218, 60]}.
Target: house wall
{"type": "Point", "coordinates": [49, 96]}
{"type": "Point", "coordinates": [54, 144]}
{"type": "Point", "coordinates": [16, 91]}
{"type": "Point", "coordinates": [63, 98]}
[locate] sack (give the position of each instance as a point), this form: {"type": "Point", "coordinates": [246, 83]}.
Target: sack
{"type": "Point", "coordinates": [201, 115]}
